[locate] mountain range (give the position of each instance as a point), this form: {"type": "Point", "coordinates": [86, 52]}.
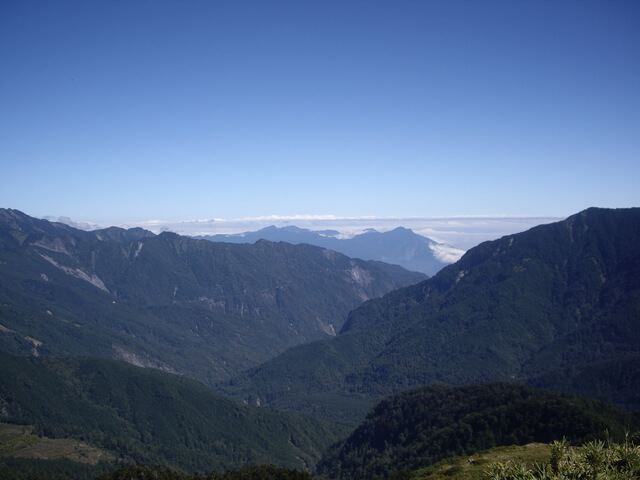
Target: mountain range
{"type": "Point", "coordinates": [415, 368]}
{"type": "Point", "coordinates": [118, 414]}
{"type": "Point", "coordinates": [556, 306]}
{"type": "Point", "coordinates": [400, 246]}
{"type": "Point", "coordinates": [202, 309]}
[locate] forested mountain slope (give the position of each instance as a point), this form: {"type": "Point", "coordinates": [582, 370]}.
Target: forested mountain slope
{"type": "Point", "coordinates": [207, 310]}
{"type": "Point", "coordinates": [150, 417]}
{"type": "Point", "coordinates": [559, 299]}
{"type": "Point", "coordinates": [417, 428]}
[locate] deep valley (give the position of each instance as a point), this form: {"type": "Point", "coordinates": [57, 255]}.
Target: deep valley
{"type": "Point", "coordinates": [201, 356]}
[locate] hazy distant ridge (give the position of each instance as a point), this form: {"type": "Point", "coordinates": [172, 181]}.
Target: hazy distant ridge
{"type": "Point", "coordinates": [400, 246]}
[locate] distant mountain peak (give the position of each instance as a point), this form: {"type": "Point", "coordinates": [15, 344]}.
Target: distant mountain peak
{"type": "Point", "coordinates": [400, 246]}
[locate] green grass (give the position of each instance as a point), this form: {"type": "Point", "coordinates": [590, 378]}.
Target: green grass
{"type": "Point", "coordinates": [18, 441]}
{"type": "Point", "coordinates": [475, 466]}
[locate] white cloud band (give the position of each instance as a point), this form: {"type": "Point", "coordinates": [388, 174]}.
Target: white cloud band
{"type": "Point", "coordinates": [461, 232]}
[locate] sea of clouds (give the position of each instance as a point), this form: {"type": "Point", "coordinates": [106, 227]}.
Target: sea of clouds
{"type": "Point", "coordinates": [461, 232]}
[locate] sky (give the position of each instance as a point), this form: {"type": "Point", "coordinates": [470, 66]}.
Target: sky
{"type": "Point", "coordinates": [127, 112]}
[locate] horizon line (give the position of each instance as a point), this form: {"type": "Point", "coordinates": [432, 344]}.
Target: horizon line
{"type": "Point", "coordinates": [289, 218]}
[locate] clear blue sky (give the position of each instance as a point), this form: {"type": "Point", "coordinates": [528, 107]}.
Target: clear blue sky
{"type": "Point", "coordinates": [121, 111]}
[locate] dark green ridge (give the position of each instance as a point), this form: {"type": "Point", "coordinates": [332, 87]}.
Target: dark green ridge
{"type": "Point", "coordinates": [557, 306]}
{"type": "Point", "coordinates": [146, 416]}
{"type": "Point", "coordinates": [417, 428]}
{"type": "Point", "coordinates": [202, 309]}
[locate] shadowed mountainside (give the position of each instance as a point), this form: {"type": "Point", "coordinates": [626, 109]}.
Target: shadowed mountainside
{"type": "Point", "coordinates": [558, 301]}
{"type": "Point", "coordinates": [150, 417]}
{"type": "Point", "coordinates": [417, 428]}
{"type": "Point", "coordinates": [206, 310]}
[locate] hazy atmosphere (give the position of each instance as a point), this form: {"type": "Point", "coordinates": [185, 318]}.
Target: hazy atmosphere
{"type": "Point", "coordinates": [123, 113]}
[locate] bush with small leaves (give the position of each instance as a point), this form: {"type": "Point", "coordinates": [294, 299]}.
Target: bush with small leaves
{"type": "Point", "coordinates": [595, 460]}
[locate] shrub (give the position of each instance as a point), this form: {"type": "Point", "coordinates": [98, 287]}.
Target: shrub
{"type": "Point", "coordinates": [595, 460]}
